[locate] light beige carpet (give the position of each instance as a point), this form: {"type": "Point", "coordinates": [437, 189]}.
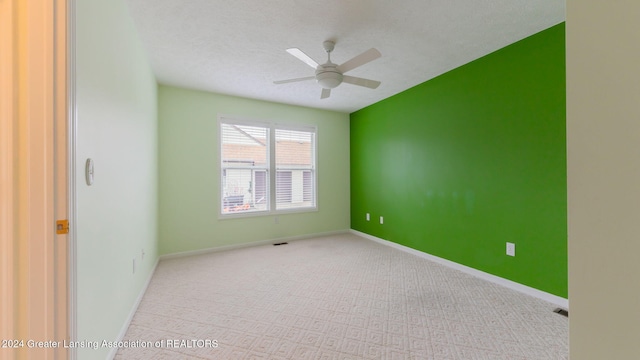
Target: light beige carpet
{"type": "Point", "coordinates": [339, 297]}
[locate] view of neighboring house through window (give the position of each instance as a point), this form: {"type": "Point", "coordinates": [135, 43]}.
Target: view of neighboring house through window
{"type": "Point", "coordinates": [245, 156]}
{"type": "Point", "coordinates": [266, 167]}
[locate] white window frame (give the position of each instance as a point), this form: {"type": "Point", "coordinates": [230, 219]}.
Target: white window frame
{"type": "Point", "coordinates": [270, 168]}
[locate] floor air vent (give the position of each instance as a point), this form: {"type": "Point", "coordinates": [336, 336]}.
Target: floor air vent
{"type": "Point", "coordinates": [278, 244]}
{"type": "Point", "coordinates": [562, 312]}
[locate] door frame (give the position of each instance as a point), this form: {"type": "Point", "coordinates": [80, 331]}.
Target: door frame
{"type": "Point", "coordinates": [69, 22]}
{"type": "Point", "coordinates": [37, 176]}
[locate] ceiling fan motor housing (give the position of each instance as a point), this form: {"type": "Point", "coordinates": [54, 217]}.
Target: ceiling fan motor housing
{"type": "Point", "coordinates": [328, 76]}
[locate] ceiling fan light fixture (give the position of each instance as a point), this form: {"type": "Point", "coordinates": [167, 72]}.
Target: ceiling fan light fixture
{"type": "Point", "coordinates": [329, 79]}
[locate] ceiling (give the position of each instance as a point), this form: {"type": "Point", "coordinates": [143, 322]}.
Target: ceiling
{"type": "Point", "coordinates": [238, 47]}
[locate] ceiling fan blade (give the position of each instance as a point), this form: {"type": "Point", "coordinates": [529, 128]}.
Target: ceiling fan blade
{"type": "Point", "coordinates": [359, 60]}
{"type": "Point", "coordinates": [325, 93]}
{"type": "Point", "coordinates": [303, 57]}
{"type": "Point", "coordinates": [371, 84]}
{"type": "Point", "coordinates": [294, 80]}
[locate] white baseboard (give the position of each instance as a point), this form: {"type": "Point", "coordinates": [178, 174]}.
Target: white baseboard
{"type": "Point", "coordinates": [125, 326]}
{"type": "Point", "coordinates": [250, 244]}
{"type": "Point", "coordinates": [554, 299]}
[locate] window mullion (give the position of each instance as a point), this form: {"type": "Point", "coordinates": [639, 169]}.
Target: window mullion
{"type": "Point", "coordinates": [272, 168]}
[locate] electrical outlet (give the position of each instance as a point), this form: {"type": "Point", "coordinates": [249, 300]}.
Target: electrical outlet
{"type": "Point", "coordinates": [511, 249]}
{"type": "Point", "coordinates": [134, 265]}
{"type": "Point", "coordinates": [368, 217]}
{"type": "Point", "coordinates": [381, 220]}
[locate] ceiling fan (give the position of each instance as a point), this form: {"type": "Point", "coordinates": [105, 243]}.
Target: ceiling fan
{"type": "Point", "coordinates": [330, 75]}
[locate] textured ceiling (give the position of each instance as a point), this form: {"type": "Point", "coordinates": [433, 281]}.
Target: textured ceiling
{"type": "Point", "coordinates": [238, 47]}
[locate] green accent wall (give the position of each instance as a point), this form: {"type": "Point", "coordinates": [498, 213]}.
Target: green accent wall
{"type": "Point", "coordinates": [472, 159]}
{"type": "Point", "coordinates": [190, 172]}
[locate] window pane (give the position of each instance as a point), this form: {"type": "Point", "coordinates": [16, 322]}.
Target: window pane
{"type": "Point", "coordinates": [244, 168]}
{"type": "Point", "coordinates": [262, 198]}
{"type": "Point", "coordinates": [244, 145]}
{"type": "Point", "coordinates": [295, 165]}
{"type": "Point", "coordinates": [283, 187]}
{"type": "Point", "coordinates": [307, 186]}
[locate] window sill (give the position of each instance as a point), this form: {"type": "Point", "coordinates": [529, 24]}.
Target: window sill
{"type": "Point", "coordinates": [256, 214]}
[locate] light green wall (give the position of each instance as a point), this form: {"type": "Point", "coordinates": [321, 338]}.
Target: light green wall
{"type": "Point", "coordinates": [190, 176]}
{"type": "Point", "coordinates": [475, 158]}
{"type": "Point", "coordinates": [117, 128]}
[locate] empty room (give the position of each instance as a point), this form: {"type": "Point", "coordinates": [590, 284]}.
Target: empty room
{"type": "Point", "coordinates": [328, 180]}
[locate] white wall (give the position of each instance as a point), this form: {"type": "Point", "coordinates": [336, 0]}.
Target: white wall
{"type": "Point", "coordinates": [603, 144]}
{"type": "Point", "coordinates": [117, 128]}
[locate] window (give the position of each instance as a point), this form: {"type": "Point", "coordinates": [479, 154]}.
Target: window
{"type": "Point", "coordinates": [266, 167]}
{"type": "Point", "coordinates": [245, 157]}
{"type": "Point", "coordinates": [294, 158]}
